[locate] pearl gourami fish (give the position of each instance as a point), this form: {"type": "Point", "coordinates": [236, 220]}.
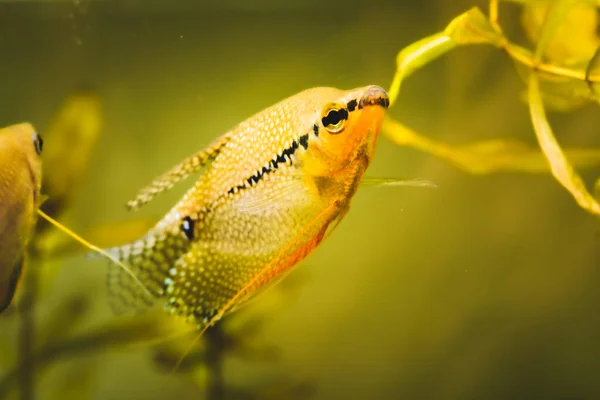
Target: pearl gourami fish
{"type": "Point", "coordinates": [270, 190]}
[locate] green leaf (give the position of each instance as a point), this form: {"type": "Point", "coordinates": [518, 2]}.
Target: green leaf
{"type": "Point", "coordinates": [564, 30]}
{"type": "Point", "coordinates": [486, 157]}
{"type": "Point", "coordinates": [77, 381]}
{"type": "Point", "coordinates": [473, 27]}
{"type": "Point", "coordinates": [562, 170]}
{"type": "Point", "coordinates": [592, 75]}
{"type": "Point", "coordinates": [414, 56]}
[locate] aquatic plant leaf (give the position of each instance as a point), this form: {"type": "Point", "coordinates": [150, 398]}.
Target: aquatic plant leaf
{"type": "Point", "coordinates": [73, 132]}
{"type": "Point", "coordinates": [565, 33]}
{"type": "Point", "coordinates": [592, 75]}
{"type": "Point", "coordinates": [563, 87]}
{"type": "Point", "coordinates": [76, 381]}
{"type": "Point", "coordinates": [471, 27]}
{"type": "Point", "coordinates": [559, 93]}
{"type": "Point", "coordinates": [553, 16]}
{"type": "Point", "coordinates": [566, 90]}
{"type": "Point", "coordinates": [487, 156]}
{"type": "Point", "coordinates": [561, 168]}
{"type": "Point", "coordinates": [286, 389]}
{"type": "Point", "coordinates": [199, 376]}
{"type": "Point", "coordinates": [113, 335]}
{"type": "Point", "coordinates": [597, 189]}
{"type": "Point", "coordinates": [566, 29]}
{"type": "Point", "coordinates": [558, 102]}
{"type": "Point", "coordinates": [416, 55]}
{"type": "Point", "coordinates": [70, 312]}
{"type": "Point", "coordinates": [9, 354]}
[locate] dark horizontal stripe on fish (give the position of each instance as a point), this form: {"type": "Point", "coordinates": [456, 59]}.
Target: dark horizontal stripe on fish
{"type": "Point", "coordinates": [285, 156]}
{"type": "Point", "coordinates": [351, 105]}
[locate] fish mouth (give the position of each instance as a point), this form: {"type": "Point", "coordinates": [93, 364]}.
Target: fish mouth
{"type": "Point", "coordinates": [374, 96]}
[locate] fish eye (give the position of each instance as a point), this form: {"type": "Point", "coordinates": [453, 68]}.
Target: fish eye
{"type": "Point", "coordinates": [334, 117]}
{"type": "Point", "coordinates": [38, 143]}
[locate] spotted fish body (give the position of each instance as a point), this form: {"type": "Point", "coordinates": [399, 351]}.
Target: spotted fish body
{"type": "Point", "coordinates": [20, 178]}
{"type": "Point", "coordinates": [272, 187]}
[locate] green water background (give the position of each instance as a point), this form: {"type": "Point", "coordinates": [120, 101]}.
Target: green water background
{"type": "Point", "coordinates": [486, 288]}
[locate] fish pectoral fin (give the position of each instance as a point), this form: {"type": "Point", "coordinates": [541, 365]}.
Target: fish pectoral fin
{"type": "Point", "coordinates": [179, 172]}
{"type": "Point", "coordinates": [282, 189]}
{"type": "Point", "coordinates": [336, 222]}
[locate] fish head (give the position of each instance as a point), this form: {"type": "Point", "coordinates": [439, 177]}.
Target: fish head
{"type": "Point", "coordinates": [23, 140]}
{"type": "Point", "coordinates": [348, 125]}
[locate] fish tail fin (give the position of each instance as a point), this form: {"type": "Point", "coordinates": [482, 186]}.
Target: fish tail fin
{"type": "Point", "coordinates": [149, 260]}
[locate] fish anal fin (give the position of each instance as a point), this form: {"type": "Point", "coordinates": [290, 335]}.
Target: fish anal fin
{"type": "Point", "coordinates": [283, 260]}
{"type": "Point", "coordinates": [272, 279]}
{"type": "Point", "coordinates": [179, 172]}
{"type": "Point", "coordinates": [281, 189]}
{"type": "Point", "coordinates": [281, 264]}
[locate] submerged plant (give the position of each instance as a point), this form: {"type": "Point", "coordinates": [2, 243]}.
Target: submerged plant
{"type": "Point", "coordinates": [562, 71]}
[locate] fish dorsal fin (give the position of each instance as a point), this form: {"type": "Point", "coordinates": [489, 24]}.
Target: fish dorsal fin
{"type": "Point", "coordinates": [179, 172]}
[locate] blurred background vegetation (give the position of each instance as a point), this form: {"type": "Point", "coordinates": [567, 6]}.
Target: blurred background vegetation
{"type": "Point", "coordinates": [484, 288]}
